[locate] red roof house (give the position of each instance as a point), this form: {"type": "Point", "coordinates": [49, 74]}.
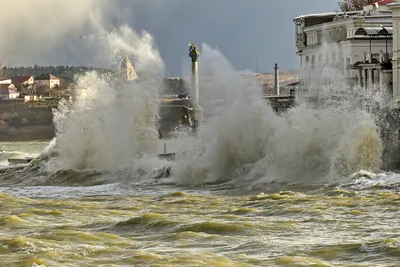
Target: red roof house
{"type": "Point", "coordinates": [25, 80]}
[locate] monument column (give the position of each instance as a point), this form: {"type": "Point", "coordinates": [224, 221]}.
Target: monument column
{"type": "Point", "coordinates": [198, 111]}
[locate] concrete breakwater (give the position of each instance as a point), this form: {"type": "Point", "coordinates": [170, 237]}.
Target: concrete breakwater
{"type": "Point", "coordinates": [21, 121]}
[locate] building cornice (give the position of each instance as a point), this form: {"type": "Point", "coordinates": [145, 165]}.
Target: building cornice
{"type": "Point", "coordinates": [394, 5]}
{"type": "Point", "coordinates": [350, 22]}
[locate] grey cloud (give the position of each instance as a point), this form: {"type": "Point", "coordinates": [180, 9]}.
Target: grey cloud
{"type": "Point", "coordinates": [246, 31]}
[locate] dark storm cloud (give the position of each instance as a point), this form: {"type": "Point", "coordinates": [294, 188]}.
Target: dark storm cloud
{"type": "Point", "coordinates": [246, 31]}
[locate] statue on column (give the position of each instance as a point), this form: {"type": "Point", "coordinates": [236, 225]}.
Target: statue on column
{"type": "Point", "coordinates": [193, 52]}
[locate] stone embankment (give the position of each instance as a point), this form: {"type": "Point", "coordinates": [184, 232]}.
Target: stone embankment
{"type": "Point", "coordinates": [21, 121]}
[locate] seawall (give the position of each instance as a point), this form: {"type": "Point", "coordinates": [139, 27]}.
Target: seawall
{"type": "Point", "coordinates": [21, 121]}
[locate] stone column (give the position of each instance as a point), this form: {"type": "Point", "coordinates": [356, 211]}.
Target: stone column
{"type": "Point", "coordinates": [379, 74]}
{"type": "Point", "coordinates": [395, 7]}
{"type": "Point", "coordinates": [366, 85]}
{"type": "Point", "coordinates": [195, 82]}
{"type": "Point", "coordinates": [194, 54]}
{"type": "Point", "coordinates": [360, 77]}
{"type": "Point", "coordinates": [370, 78]}
{"type": "Point", "coordinates": [382, 82]}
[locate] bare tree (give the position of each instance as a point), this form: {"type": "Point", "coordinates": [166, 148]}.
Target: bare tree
{"type": "Point", "coordinates": [352, 5]}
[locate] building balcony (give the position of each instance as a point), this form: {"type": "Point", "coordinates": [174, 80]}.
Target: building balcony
{"type": "Point", "coordinates": [300, 39]}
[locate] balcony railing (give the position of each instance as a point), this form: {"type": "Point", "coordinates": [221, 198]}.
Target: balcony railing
{"type": "Point", "coordinates": [301, 38]}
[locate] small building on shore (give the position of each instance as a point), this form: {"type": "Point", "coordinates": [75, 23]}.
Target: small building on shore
{"type": "Point", "coordinates": [8, 91]}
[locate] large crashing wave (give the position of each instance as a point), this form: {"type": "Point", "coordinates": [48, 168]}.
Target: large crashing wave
{"type": "Point", "coordinates": [111, 127]}
{"type": "Point", "coordinates": [242, 139]}
{"type": "Point", "coordinates": [110, 124]}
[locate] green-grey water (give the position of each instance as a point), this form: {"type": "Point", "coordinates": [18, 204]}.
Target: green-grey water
{"type": "Point", "coordinates": [248, 188]}
{"type": "Point", "coordinates": [119, 224]}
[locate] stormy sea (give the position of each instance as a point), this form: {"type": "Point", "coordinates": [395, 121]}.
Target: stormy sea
{"type": "Point", "coordinates": [250, 188]}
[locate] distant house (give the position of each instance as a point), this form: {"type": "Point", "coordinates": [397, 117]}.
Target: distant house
{"type": "Point", "coordinates": [8, 81]}
{"type": "Point", "coordinates": [47, 80]}
{"type": "Point", "coordinates": [22, 80]}
{"type": "Point", "coordinates": [8, 91]}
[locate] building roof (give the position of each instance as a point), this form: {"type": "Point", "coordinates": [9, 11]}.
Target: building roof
{"type": "Point", "coordinates": [5, 86]}
{"type": "Point", "coordinates": [329, 14]}
{"type": "Point", "coordinates": [20, 79]}
{"type": "Point", "coordinates": [333, 14]}
{"type": "Point", "coordinates": [384, 2]}
{"type": "Point", "coordinates": [46, 77]}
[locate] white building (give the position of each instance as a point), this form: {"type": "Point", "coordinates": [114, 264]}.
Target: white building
{"type": "Point", "coordinates": [8, 81]}
{"type": "Point", "coordinates": [8, 91]}
{"type": "Point", "coordinates": [395, 7]}
{"type": "Point", "coordinates": [47, 80]}
{"type": "Point", "coordinates": [354, 45]}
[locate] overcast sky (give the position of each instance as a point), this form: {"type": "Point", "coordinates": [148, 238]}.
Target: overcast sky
{"type": "Point", "coordinates": [246, 31]}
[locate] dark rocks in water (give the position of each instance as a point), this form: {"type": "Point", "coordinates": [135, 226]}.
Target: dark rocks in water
{"type": "Point", "coordinates": [167, 156]}
{"type": "Point", "coordinates": [14, 161]}
{"type": "Point", "coordinates": [163, 173]}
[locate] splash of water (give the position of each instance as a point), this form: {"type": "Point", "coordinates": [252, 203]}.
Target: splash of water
{"type": "Point", "coordinates": [242, 139]}
{"type": "Point", "coordinates": [111, 124]}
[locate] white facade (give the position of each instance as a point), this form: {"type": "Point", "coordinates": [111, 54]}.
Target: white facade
{"type": "Point", "coordinates": [47, 80]}
{"type": "Point", "coordinates": [13, 94]}
{"type": "Point", "coordinates": [329, 45]}
{"type": "Point", "coordinates": [50, 83]}
{"type": "Point", "coordinates": [8, 91]}
{"type": "Point", "coordinates": [395, 7]}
